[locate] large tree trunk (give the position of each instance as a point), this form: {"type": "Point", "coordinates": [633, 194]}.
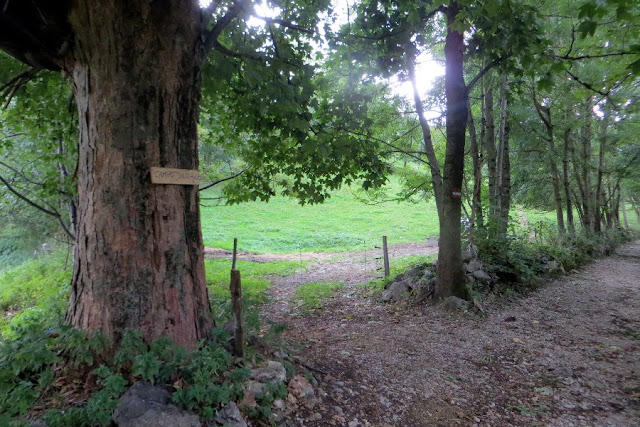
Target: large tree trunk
{"type": "Point", "coordinates": [138, 260]}
{"type": "Point", "coordinates": [451, 278]}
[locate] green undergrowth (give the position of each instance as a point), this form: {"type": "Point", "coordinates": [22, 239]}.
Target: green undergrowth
{"type": "Point", "coordinates": [36, 289]}
{"type": "Point", "coordinates": [69, 382]}
{"type": "Point", "coordinates": [39, 288]}
{"type": "Point", "coordinates": [43, 365]}
{"type": "Point", "coordinates": [313, 296]}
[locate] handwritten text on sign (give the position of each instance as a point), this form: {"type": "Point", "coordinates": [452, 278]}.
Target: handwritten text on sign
{"type": "Point", "coordinates": [175, 176]}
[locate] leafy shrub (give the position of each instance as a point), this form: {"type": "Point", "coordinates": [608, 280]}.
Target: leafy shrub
{"type": "Point", "coordinates": [32, 362]}
{"type": "Point", "coordinates": [520, 262]}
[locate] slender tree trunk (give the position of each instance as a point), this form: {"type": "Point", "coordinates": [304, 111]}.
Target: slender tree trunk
{"type": "Point", "coordinates": [451, 278]}
{"type": "Point", "coordinates": [476, 219]}
{"type": "Point", "coordinates": [565, 176]}
{"type": "Point", "coordinates": [427, 142]}
{"type": "Point", "coordinates": [579, 207]}
{"type": "Point", "coordinates": [544, 113]}
{"type": "Point", "coordinates": [623, 206]}
{"type": "Point", "coordinates": [138, 261]}
{"type": "Point", "coordinates": [504, 163]}
{"type": "Point", "coordinates": [588, 199]}
{"type": "Point", "coordinates": [599, 200]}
{"type": "Point", "coordinates": [490, 150]}
{"type": "Point", "coordinates": [615, 206]}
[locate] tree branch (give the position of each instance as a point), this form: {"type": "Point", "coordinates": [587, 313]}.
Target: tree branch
{"type": "Point", "coordinates": [587, 85]}
{"type": "Point", "coordinates": [224, 179]}
{"type": "Point", "coordinates": [20, 173]}
{"type": "Point", "coordinates": [482, 72]}
{"type": "Point", "coordinates": [211, 37]}
{"type": "Point", "coordinates": [286, 24]}
{"type": "Point", "coordinates": [391, 145]}
{"type": "Point", "coordinates": [602, 55]}
{"type": "Point", "coordinates": [9, 89]}
{"type": "Point", "coordinates": [31, 203]}
{"type": "Point", "coordinates": [207, 13]}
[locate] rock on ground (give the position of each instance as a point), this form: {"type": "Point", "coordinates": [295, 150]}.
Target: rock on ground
{"type": "Point", "coordinates": [147, 405]}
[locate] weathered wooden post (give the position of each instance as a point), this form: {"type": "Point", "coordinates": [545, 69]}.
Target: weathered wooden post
{"type": "Point", "coordinates": [385, 254]}
{"type": "Point", "coordinates": [235, 287]}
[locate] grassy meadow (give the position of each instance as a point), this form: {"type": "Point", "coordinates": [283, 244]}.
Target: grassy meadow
{"type": "Point", "coordinates": [341, 223]}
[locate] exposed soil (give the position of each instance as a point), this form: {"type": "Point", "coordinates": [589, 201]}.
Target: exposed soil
{"type": "Point", "coordinates": [568, 354]}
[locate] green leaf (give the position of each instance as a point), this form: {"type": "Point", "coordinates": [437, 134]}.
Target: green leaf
{"type": "Point", "coordinates": [634, 67]}
{"type": "Point", "coordinates": [587, 28]}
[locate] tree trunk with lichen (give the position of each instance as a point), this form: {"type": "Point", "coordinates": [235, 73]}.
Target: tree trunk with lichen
{"type": "Point", "coordinates": [138, 260]}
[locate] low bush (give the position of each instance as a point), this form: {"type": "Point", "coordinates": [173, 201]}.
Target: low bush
{"type": "Point", "coordinates": [521, 262]}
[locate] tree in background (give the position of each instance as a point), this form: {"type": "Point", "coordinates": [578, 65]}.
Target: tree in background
{"type": "Point", "coordinates": [503, 34]}
{"type": "Point", "coordinates": [583, 95]}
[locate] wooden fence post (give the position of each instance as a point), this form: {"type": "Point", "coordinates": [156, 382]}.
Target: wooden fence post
{"type": "Point", "coordinates": [385, 253]}
{"type": "Point", "coordinates": [235, 287]}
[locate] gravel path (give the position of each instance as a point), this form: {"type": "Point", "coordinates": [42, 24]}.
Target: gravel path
{"type": "Point", "coordinates": [566, 355]}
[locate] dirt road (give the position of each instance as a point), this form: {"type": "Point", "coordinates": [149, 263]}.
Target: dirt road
{"type": "Point", "coordinates": [566, 355]}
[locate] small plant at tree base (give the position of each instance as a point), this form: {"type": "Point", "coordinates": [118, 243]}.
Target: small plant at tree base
{"type": "Point", "coordinates": [270, 393]}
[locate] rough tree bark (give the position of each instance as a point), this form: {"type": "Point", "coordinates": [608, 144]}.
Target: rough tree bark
{"type": "Point", "coordinates": [139, 262]}
{"type": "Point", "coordinates": [451, 278]}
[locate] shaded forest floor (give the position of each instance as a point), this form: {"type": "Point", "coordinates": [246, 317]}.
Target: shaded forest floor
{"type": "Point", "coordinates": [568, 354]}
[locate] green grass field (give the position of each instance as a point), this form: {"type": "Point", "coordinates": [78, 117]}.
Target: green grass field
{"type": "Point", "coordinates": [341, 223]}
